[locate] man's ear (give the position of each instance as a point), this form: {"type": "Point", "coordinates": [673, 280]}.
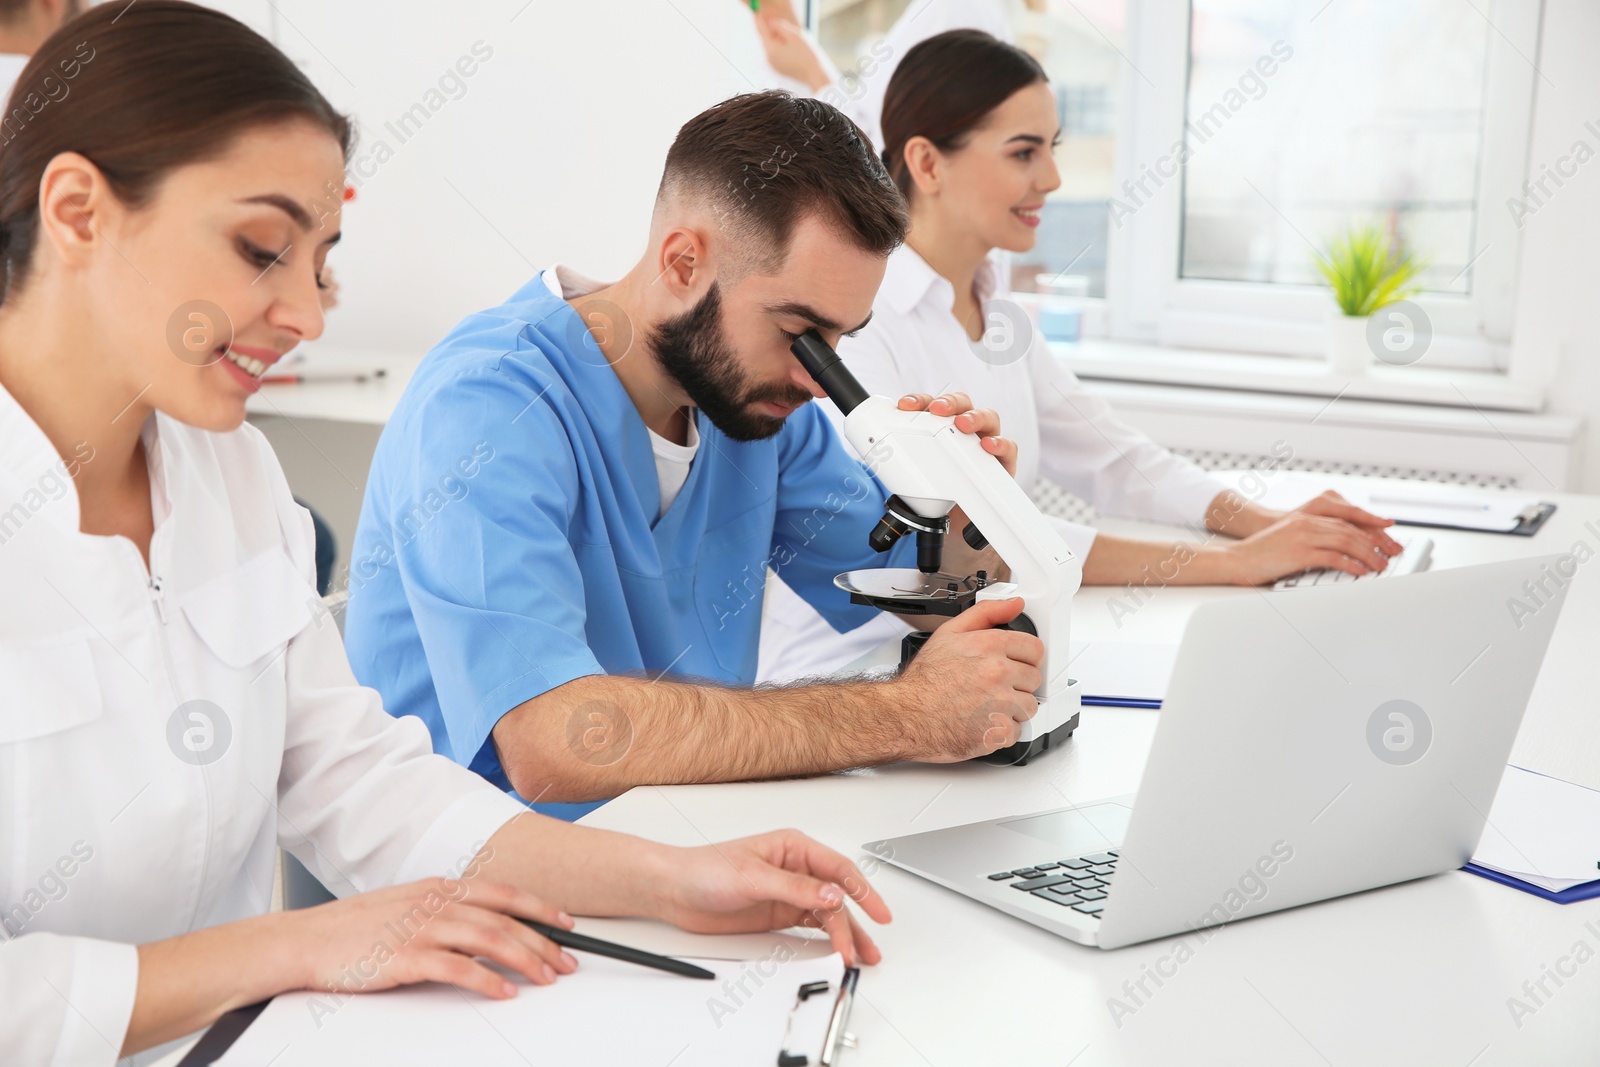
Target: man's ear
{"type": "Point", "coordinates": [73, 194]}
{"type": "Point", "coordinates": [683, 263]}
{"type": "Point", "coordinates": [924, 164]}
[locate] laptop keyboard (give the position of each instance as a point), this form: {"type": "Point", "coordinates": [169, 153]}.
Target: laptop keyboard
{"type": "Point", "coordinates": [1080, 883]}
{"type": "Point", "coordinates": [1415, 554]}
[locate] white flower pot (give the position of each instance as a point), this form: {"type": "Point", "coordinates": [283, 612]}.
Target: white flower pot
{"type": "Point", "coordinates": [1348, 353]}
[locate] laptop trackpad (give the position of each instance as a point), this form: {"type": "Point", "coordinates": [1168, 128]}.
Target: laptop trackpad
{"type": "Point", "coordinates": [1074, 831]}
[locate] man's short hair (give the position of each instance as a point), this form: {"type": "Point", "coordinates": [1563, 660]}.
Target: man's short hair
{"type": "Point", "coordinates": [764, 161]}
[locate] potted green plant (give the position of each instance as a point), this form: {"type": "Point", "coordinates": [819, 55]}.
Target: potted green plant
{"type": "Point", "coordinates": [1367, 270]}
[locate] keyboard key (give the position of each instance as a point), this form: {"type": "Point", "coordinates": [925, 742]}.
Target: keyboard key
{"type": "Point", "coordinates": [1113, 852]}
{"type": "Point", "coordinates": [1101, 857]}
{"type": "Point", "coordinates": [1002, 876]}
{"type": "Point", "coordinates": [1030, 884]}
{"type": "Point", "coordinates": [1089, 894]}
{"type": "Point", "coordinates": [1086, 883]}
{"type": "Point", "coordinates": [1093, 907]}
{"type": "Point", "coordinates": [1066, 890]}
{"type": "Point", "coordinates": [1045, 866]}
{"type": "Point", "coordinates": [1075, 865]}
{"type": "Point", "coordinates": [1101, 869]}
{"type": "Point", "coordinates": [1046, 894]}
{"type": "Point", "coordinates": [1025, 872]}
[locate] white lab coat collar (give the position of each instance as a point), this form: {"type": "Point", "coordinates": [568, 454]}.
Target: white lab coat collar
{"type": "Point", "coordinates": [908, 280]}
{"type": "Point", "coordinates": [219, 530]}
{"type": "Point", "coordinates": [26, 457]}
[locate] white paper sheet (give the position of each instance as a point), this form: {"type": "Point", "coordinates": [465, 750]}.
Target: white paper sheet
{"type": "Point", "coordinates": [1542, 830]}
{"type": "Point", "coordinates": [609, 1012]}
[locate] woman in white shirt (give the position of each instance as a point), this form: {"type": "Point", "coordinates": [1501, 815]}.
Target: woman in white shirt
{"type": "Point", "coordinates": [969, 122]}
{"type": "Point", "coordinates": [175, 706]}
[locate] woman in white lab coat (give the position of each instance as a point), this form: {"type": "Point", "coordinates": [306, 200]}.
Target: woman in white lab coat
{"type": "Point", "coordinates": [175, 706]}
{"type": "Point", "coordinates": [969, 122]}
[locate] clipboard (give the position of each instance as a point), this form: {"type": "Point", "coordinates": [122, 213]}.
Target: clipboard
{"type": "Point", "coordinates": [1540, 837]}
{"type": "Point", "coordinates": [799, 1020]}
{"type": "Point", "coordinates": [1529, 521]}
{"type": "Point", "coordinates": [835, 1037]}
{"type": "Point", "coordinates": [1569, 895]}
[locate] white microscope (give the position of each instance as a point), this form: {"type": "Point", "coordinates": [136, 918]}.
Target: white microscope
{"type": "Point", "coordinates": [930, 467]}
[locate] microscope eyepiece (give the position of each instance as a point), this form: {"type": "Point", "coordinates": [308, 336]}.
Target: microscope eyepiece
{"type": "Point", "coordinates": [828, 371]}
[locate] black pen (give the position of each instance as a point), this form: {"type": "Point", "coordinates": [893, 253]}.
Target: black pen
{"type": "Point", "coordinates": [585, 943]}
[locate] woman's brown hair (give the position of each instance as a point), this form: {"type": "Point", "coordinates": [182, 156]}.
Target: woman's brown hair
{"type": "Point", "coordinates": [945, 88]}
{"type": "Point", "coordinates": [140, 89]}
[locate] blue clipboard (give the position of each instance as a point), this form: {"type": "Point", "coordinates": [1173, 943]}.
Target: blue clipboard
{"type": "Point", "coordinates": [1581, 891]}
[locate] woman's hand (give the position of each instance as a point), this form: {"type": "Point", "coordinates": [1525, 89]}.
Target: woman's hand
{"type": "Point", "coordinates": [1243, 518]}
{"type": "Point", "coordinates": [428, 931]}
{"type": "Point", "coordinates": [1303, 540]}
{"type": "Point", "coordinates": [1330, 504]}
{"type": "Point", "coordinates": [985, 422]}
{"type": "Point", "coordinates": [771, 882]}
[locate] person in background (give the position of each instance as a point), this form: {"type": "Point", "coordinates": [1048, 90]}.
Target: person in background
{"type": "Point", "coordinates": [24, 25]}
{"type": "Point", "coordinates": [570, 515]}
{"type": "Point", "coordinates": [969, 122]}
{"type": "Point", "coordinates": [175, 711]}
{"type": "Point", "coordinates": [798, 63]}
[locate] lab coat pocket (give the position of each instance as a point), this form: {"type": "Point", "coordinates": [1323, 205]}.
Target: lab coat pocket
{"type": "Point", "coordinates": [47, 688]}
{"type": "Point", "coordinates": [251, 613]}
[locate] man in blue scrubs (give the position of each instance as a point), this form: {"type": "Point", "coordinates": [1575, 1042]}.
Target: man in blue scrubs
{"type": "Point", "coordinates": [570, 516]}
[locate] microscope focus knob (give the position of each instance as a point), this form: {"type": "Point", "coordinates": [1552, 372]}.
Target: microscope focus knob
{"type": "Point", "coordinates": [974, 537]}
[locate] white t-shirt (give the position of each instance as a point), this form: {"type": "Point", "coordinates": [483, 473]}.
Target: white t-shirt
{"type": "Point", "coordinates": [672, 459]}
{"type": "Point", "coordinates": [672, 462]}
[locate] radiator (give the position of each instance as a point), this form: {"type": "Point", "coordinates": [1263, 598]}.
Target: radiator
{"type": "Point", "coordinates": [1225, 430]}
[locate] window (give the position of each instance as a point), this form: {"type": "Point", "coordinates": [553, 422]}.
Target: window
{"type": "Point", "coordinates": [1210, 146]}
{"type": "Point", "coordinates": [1293, 121]}
{"type": "Point", "coordinates": [1378, 118]}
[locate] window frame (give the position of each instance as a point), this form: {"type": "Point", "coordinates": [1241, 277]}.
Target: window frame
{"type": "Point", "coordinates": [1149, 302]}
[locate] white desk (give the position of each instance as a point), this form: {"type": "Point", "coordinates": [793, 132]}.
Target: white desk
{"type": "Point", "coordinates": [1411, 975]}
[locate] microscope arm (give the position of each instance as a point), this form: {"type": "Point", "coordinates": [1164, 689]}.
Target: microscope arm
{"type": "Point", "coordinates": [931, 466]}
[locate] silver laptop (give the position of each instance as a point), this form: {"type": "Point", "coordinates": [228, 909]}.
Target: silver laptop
{"type": "Point", "coordinates": [1311, 744]}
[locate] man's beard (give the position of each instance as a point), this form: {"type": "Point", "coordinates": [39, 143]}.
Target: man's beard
{"type": "Point", "coordinates": [694, 350]}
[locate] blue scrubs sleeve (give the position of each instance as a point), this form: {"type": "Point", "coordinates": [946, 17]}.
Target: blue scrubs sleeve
{"type": "Point", "coordinates": [828, 503]}
{"type": "Point", "coordinates": [491, 580]}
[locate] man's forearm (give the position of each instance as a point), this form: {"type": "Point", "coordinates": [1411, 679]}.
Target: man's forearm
{"type": "Point", "coordinates": [598, 736]}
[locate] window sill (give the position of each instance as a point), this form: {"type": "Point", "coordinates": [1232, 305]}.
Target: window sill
{"type": "Point", "coordinates": [1097, 358]}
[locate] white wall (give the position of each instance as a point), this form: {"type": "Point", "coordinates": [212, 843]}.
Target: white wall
{"type": "Point", "coordinates": [552, 153]}
{"type": "Point", "coordinates": [1558, 291]}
